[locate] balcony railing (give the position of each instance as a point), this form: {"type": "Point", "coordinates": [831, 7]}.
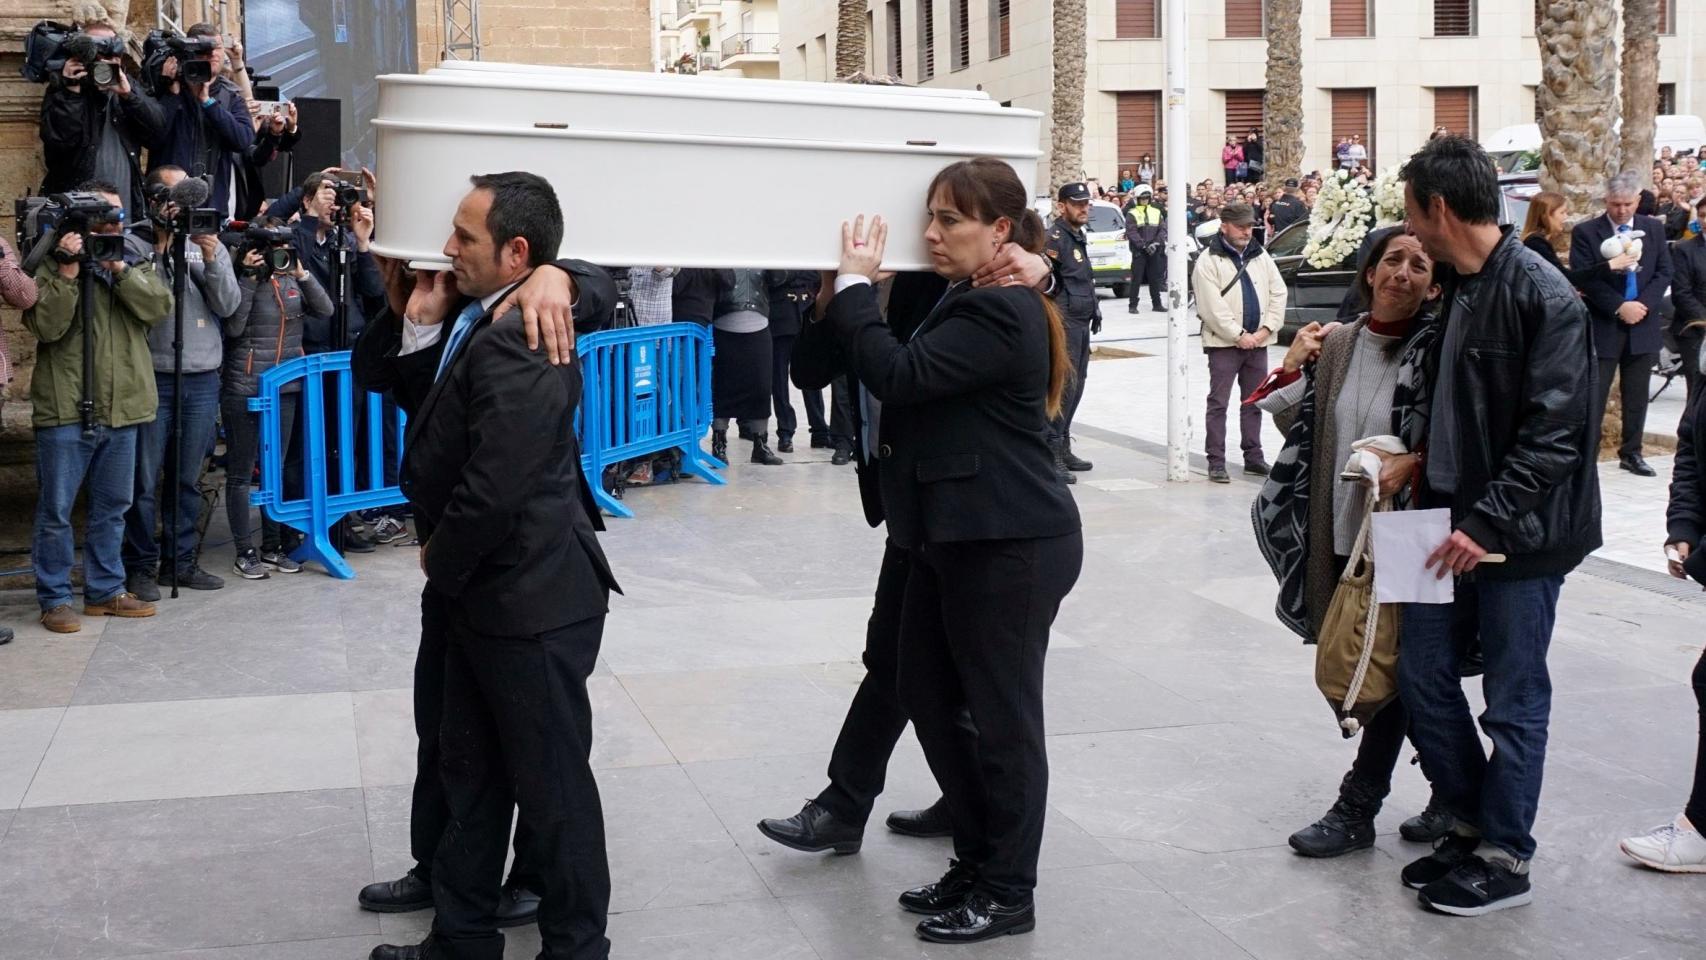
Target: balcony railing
{"type": "Point", "coordinates": [687, 8]}
{"type": "Point", "coordinates": [750, 44]}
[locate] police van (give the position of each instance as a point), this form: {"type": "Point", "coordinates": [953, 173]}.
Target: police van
{"type": "Point", "coordinates": [1110, 254]}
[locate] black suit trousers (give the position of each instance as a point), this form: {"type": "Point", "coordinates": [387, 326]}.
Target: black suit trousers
{"type": "Point", "coordinates": [858, 766]}
{"type": "Point", "coordinates": [781, 356]}
{"type": "Point", "coordinates": [1637, 374]}
{"type": "Point", "coordinates": [518, 731]}
{"type": "Point", "coordinates": [429, 814]}
{"type": "Point", "coordinates": [1078, 349]}
{"type": "Point", "coordinates": [974, 634]}
{"type": "Point", "coordinates": [1150, 268]}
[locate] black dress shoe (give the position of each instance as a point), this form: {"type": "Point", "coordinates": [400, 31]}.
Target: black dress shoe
{"type": "Point", "coordinates": [842, 457]}
{"type": "Point", "coordinates": [981, 917]}
{"type": "Point", "coordinates": [517, 906]}
{"type": "Point", "coordinates": [402, 951]}
{"type": "Point", "coordinates": [784, 444]}
{"type": "Point", "coordinates": [814, 830]}
{"type": "Point", "coordinates": [397, 896]}
{"type": "Point", "coordinates": [1429, 825]}
{"type": "Point", "coordinates": [821, 443]}
{"type": "Point", "coordinates": [946, 894]}
{"type": "Point", "coordinates": [1637, 466]}
{"type": "Point", "coordinates": [932, 821]}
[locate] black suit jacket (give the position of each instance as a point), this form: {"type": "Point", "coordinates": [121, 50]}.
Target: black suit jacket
{"type": "Point", "coordinates": [1603, 288]}
{"type": "Point", "coordinates": [961, 438]}
{"type": "Point", "coordinates": [1688, 287]}
{"type": "Point", "coordinates": [818, 359]}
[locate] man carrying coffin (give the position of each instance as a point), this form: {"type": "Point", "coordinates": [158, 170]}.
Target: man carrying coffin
{"type": "Point", "coordinates": [492, 467]}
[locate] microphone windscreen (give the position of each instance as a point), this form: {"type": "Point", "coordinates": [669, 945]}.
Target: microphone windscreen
{"type": "Point", "coordinates": [191, 193]}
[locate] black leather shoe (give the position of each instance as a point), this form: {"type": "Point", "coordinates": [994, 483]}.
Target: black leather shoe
{"type": "Point", "coordinates": [932, 821]}
{"type": "Point", "coordinates": [948, 893]}
{"type": "Point", "coordinates": [397, 896]}
{"type": "Point", "coordinates": [1637, 466]}
{"type": "Point", "coordinates": [517, 906]}
{"type": "Point", "coordinates": [1073, 461]}
{"type": "Point", "coordinates": [822, 443]}
{"type": "Point", "coordinates": [762, 454]}
{"type": "Point", "coordinates": [142, 585]}
{"type": "Point", "coordinates": [1133, 308]}
{"type": "Point", "coordinates": [814, 830]}
{"type": "Point", "coordinates": [981, 917]}
{"type": "Point", "coordinates": [404, 951]}
{"type": "Point", "coordinates": [357, 542]}
{"type": "Point", "coordinates": [1256, 468]}
{"type": "Point", "coordinates": [1429, 825]}
{"type": "Point", "coordinates": [784, 444]}
{"type": "Point", "coordinates": [842, 457]}
{"type": "Point", "coordinates": [1348, 826]}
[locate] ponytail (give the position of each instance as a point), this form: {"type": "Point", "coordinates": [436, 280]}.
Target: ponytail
{"type": "Point", "coordinates": [1060, 370]}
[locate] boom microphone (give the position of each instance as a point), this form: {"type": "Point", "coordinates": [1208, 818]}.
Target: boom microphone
{"type": "Point", "coordinates": [190, 193]}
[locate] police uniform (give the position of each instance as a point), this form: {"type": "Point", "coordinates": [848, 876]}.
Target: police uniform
{"type": "Point", "coordinates": [1075, 296]}
{"type": "Point", "coordinates": [1146, 231]}
{"type": "Point", "coordinates": [791, 295]}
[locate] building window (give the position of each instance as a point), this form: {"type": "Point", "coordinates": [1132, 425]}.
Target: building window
{"type": "Point", "coordinates": [1454, 18]}
{"type": "Point", "coordinates": [1139, 129]}
{"type": "Point", "coordinates": [821, 47]}
{"type": "Point", "coordinates": [1243, 113]}
{"type": "Point", "coordinates": [962, 34]}
{"type": "Point", "coordinates": [1352, 18]}
{"type": "Point", "coordinates": [1667, 18]}
{"type": "Point", "coordinates": [1000, 28]}
{"type": "Point", "coordinates": [1353, 117]}
{"type": "Point", "coordinates": [926, 39]}
{"type": "Point", "coordinates": [1244, 18]}
{"type": "Point", "coordinates": [1667, 99]}
{"type": "Point", "coordinates": [805, 64]}
{"type": "Point", "coordinates": [1137, 19]}
{"type": "Point", "coordinates": [891, 13]}
{"type": "Point", "coordinates": [1456, 109]}
{"type": "Point", "coordinates": [870, 41]}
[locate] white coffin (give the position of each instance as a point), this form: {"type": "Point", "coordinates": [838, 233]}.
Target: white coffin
{"type": "Point", "coordinates": [699, 171]}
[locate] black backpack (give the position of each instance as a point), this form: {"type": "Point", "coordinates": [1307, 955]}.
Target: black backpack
{"type": "Point", "coordinates": [44, 56]}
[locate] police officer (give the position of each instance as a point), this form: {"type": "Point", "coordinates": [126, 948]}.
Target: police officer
{"type": "Point", "coordinates": [1075, 296]}
{"type": "Point", "coordinates": [791, 295]}
{"type": "Point", "coordinates": [1146, 230]}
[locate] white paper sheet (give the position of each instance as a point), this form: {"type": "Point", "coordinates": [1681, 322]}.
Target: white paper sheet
{"type": "Point", "coordinates": [1403, 541]}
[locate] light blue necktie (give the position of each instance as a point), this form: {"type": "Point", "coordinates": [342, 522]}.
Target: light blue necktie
{"type": "Point", "coordinates": [459, 334]}
{"type": "Point", "coordinates": [1630, 290]}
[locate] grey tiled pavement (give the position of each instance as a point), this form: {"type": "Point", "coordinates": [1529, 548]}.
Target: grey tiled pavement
{"type": "Point", "coordinates": [216, 783]}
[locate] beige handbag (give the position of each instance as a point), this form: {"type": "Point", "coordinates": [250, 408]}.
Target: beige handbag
{"type": "Point", "coordinates": [1356, 656]}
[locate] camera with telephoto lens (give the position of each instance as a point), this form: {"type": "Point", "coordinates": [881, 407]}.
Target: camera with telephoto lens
{"type": "Point", "coordinates": [43, 220]}
{"type": "Point", "coordinates": [197, 222]}
{"type": "Point", "coordinates": [276, 246]}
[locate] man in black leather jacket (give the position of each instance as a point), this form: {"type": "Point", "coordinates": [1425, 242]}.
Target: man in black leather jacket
{"type": "Point", "coordinates": [1511, 452]}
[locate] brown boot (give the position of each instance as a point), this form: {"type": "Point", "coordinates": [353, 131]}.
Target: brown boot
{"type": "Point", "coordinates": [123, 605]}
{"type": "Point", "coordinates": [61, 619]}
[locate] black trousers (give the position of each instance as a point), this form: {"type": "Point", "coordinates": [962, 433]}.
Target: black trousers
{"type": "Point", "coordinates": [1696, 809]}
{"type": "Point", "coordinates": [429, 813]}
{"type": "Point", "coordinates": [518, 731]}
{"type": "Point", "coordinates": [1150, 269]}
{"type": "Point", "coordinates": [974, 634]}
{"type": "Point", "coordinates": [1078, 348]}
{"type": "Point", "coordinates": [781, 357]}
{"type": "Point", "coordinates": [1637, 376]}
{"type": "Point", "coordinates": [841, 413]}
{"type": "Point", "coordinates": [812, 400]}
{"type": "Point", "coordinates": [858, 766]}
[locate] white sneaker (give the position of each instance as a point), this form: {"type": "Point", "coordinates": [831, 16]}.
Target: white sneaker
{"type": "Point", "coordinates": [1675, 847]}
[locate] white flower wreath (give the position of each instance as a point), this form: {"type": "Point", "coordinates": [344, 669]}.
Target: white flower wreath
{"type": "Point", "coordinates": [1339, 222]}
{"type": "Point", "coordinates": [1388, 198]}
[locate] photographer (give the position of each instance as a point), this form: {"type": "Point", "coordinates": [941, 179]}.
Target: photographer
{"type": "Point", "coordinates": [210, 292]}
{"type": "Point", "coordinates": [207, 123]}
{"type": "Point", "coordinates": [126, 301]}
{"type": "Point", "coordinates": [95, 132]}
{"type": "Point", "coordinates": [275, 132]}
{"type": "Point", "coordinates": [324, 225]}
{"type": "Point", "coordinates": [278, 295]}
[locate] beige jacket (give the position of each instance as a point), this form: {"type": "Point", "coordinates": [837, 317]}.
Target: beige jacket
{"type": "Point", "coordinates": [1223, 317]}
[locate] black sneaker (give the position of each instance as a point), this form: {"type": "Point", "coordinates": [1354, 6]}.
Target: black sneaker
{"type": "Point", "coordinates": [1450, 851]}
{"type": "Point", "coordinates": [141, 584]}
{"type": "Point", "coordinates": [248, 566]}
{"type": "Point", "coordinates": [195, 578]}
{"type": "Point", "coordinates": [1429, 825]}
{"type": "Point", "coordinates": [1476, 887]}
{"type": "Point", "coordinates": [357, 540]}
{"type": "Point", "coordinates": [1218, 475]}
{"type": "Point", "coordinates": [280, 561]}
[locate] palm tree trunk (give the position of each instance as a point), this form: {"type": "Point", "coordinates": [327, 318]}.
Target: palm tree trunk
{"type": "Point", "coordinates": [1577, 100]}
{"type": "Point", "coordinates": [1066, 153]}
{"type": "Point", "coordinates": [1282, 102]}
{"type": "Point", "coordinates": [850, 37]}
{"type": "Point", "coordinates": [1640, 85]}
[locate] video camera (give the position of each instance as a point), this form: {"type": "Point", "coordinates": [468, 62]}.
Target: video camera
{"type": "Point", "coordinates": [42, 220]}
{"type": "Point", "coordinates": [189, 217]}
{"type": "Point", "coordinates": [49, 46]}
{"type": "Point", "coordinates": [276, 245]}
{"type": "Point", "coordinates": [192, 53]}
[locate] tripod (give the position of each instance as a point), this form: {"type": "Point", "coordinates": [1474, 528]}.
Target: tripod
{"type": "Point", "coordinates": [174, 440]}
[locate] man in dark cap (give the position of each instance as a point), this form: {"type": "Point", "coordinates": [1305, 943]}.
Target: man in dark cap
{"type": "Point", "coordinates": [1075, 296]}
{"type": "Point", "coordinates": [1241, 300]}
{"type": "Point", "coordinates": [1289, 208]}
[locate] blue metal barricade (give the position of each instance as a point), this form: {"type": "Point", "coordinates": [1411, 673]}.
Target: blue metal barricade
{"type": "Point", "coordinates": [318, 507]}
{"type": "Point", "coordinates": [645, 390]}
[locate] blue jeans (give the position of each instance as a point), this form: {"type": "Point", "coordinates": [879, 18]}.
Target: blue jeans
{"type": "Point", "coordinates": [154, 443]}
{"type": "Point", "coordinates": [1500, 794]}
{"type": "Point", "coordinates": [64, 459]}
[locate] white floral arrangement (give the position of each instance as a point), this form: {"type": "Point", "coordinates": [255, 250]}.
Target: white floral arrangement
{"type": "Point", "coordinates": [1339, 222]}
{"type": "Point", "coordinates": [1388, 198]}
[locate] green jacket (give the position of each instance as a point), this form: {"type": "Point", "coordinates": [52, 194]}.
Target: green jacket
{"type": "Point", "coordinates": [124, 370]}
